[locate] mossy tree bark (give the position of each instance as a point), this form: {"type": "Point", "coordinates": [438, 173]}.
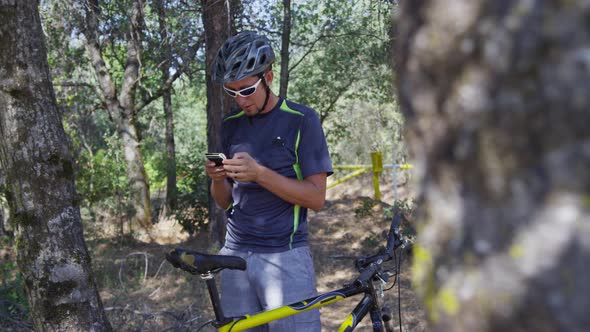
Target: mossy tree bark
{"type": "Point", "coordinates": [35, 159]}
{"type": "Point", "coordinates": [495, 95]}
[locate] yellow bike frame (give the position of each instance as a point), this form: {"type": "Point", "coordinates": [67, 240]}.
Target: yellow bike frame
{"type": "Point", "coordinates": [368, 303]}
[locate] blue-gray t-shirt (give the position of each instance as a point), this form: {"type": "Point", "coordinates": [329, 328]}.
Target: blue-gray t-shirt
{"type": "Point", "coordinates": [290, 141]}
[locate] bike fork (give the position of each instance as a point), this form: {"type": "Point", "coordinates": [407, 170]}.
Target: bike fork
{"type": "Point", "coordinates": [376, 319]}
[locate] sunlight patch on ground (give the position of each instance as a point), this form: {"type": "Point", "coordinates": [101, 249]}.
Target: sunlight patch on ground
{"type": "Point", "coordinates": [329, 281]}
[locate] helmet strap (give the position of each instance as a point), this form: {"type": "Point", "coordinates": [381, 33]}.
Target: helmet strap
{"type": "Point", "coordinates": [267, 90]}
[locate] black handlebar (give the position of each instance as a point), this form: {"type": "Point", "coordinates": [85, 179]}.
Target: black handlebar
{"type": "Point", "coordinates": [393, 238]}
{"type": "Point", "coordinates": [369, 266]}
{"type": "Point", "coordinates": [393, 242]}
{"type": "Point", "coordinates": [366, 274]}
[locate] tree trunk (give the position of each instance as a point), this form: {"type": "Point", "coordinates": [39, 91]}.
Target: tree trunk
{"type": "Point", "coordinates": [171, 190]}
{"type": "Point", "coordinates": [495, 95]}
{"type": "Point", "coordinates": [136, 174]}
{"type": "Point", "coordinates": [171, 196]}
{"type": "Point", "coordinates": [138, 182]}
{"type": "Point", "coordinates": [34, 155]}
{"type": "Point", "coordinates": [122, 107]}
{"type": "Point", "coordinates": [4, 223]}
{"type": "Point", "coordinates": [218, 25]}
{"type": "Point", "coordinates": [285, 40]}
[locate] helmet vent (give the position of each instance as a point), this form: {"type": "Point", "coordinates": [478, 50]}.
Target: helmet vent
{"type": "Point", "coordinates": [241, 53]}
{"type": "Point", "coordinates": [251, 63]}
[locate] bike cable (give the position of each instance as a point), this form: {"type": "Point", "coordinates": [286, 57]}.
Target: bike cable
{"type": "Point", "coordinates": [235, 322]}
{"type": "Point", "coordinates": [396, 274]}
{"type": "Point", "coordinates": [399, 293]}
{"type": "Point", "coordinates": [205, 324]}
{"type": "Point", "coordinates": [398, 263]}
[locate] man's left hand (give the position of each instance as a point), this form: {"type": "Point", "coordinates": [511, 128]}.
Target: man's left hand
{"type": "Point", "coordinates": [242, 167]}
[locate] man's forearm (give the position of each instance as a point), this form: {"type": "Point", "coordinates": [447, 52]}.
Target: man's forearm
{"type": "Point", "coordinates": [221, 192]}
{"type": "Point", "coordinates": [309, 192]}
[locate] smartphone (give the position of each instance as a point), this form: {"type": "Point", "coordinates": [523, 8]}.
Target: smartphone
{"type": "Point", "coordinates": [216, 157]}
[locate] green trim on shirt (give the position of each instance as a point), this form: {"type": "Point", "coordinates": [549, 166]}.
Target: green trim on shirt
{"type": "Point", "coordinates": [297, 208]}
{"type": "Point", "coordinates": [284, 107]}
{"type": "Point", "coordinates": [237, 115]}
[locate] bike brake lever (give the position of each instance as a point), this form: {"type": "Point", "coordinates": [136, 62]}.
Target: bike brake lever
{"type": "Point", "coordinates": [383, 276]}
{"type": "Point", "coordinates": [383, 282]}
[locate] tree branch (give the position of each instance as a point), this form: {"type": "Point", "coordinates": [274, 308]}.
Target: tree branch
{"type": "Point", "coordinates": [324, 115]}
{"type": "Point", "coordinates": [168, 84]}
{"type": "Point", "coordinates": [306, 53]}
{"type": "Point", "coordinates": [74, 84]}
{"type": "Point", "coordinates": [107, 92]}
{"type": "Point", "coordinates": [326, 36]}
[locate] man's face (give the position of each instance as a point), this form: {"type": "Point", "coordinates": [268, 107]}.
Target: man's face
{"type": "Point", "coordinates": [253, 101]}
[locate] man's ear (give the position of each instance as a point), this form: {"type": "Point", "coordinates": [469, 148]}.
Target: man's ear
{"type": "Point", "coordinates": [268, 77]}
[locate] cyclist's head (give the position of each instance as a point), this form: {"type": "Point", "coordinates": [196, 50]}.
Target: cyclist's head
{"type": "Point", "coordinates": [243, 55]}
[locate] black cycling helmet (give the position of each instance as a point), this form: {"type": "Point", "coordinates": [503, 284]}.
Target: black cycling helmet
{"type": "Point", "coordinates": [243, 55]}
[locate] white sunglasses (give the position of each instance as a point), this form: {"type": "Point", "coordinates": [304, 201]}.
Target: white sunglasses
{"type": "Point", "coordinates": [246, 92]}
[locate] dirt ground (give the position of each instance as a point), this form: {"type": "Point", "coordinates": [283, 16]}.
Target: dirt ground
{"type": "Point", "coordinates": [164, 299]}
{"type": "Point", "coordinates": [142, 292]}
{"type": "Point", "coordinates": [338, 235]}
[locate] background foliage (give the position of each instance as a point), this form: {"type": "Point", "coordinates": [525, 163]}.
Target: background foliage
{"type": "Point", "coordinates": [339, 66]}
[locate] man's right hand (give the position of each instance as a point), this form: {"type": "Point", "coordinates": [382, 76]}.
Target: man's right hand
{"type": "Point", "coordinates": [220, 187]}
{"type": "Point", "coordinates": [216, 173]}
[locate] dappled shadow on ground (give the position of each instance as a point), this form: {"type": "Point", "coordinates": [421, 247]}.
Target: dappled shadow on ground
{"type": "Point", "coordinates": [344, 230]}
{"type": "Point", "coordinates": [142, 292]}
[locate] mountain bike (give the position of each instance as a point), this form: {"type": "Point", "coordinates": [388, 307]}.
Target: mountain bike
{"type": "Point", "coordinates": [372, 276]}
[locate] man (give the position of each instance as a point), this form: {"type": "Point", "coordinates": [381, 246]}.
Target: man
{"type": "Point", "coordinates": [277, 166]}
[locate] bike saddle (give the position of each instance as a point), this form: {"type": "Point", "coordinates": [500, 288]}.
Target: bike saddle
{"type": "Point", "coordinates": [197, 263]}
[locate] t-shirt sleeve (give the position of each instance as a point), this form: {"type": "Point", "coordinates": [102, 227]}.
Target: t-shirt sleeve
{"type": "Point", "coordinates": [313, 153]}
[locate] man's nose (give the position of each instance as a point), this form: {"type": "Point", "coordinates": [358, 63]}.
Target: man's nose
{"type": "Point", "coordinates": [240, 99]}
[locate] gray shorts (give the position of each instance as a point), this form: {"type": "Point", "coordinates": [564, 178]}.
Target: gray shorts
{"type": "Point", "coordinates": [270, 281]}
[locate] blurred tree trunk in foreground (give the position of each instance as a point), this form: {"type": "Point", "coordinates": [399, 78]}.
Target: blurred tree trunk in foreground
{"type": "Point", "coordinates": [35, 159]}
{"type": "Point", "coordinates": [495, 95]}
